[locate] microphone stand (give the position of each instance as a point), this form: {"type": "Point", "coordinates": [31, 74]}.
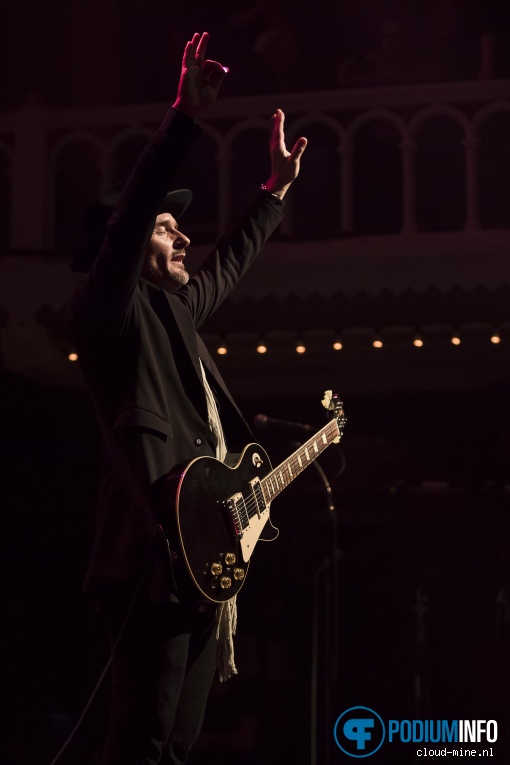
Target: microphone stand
{"type": "Point", "coordinates": [330, 625]}
{"type": "Point", "coordinates": [327, 586]}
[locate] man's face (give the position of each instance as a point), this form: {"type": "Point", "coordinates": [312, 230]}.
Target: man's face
{"type": "Point", "coordinates": [163, 264]}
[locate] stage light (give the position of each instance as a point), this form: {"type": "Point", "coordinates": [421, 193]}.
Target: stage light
{"type": "Point", "coordinates": [222, 350]}
{"type": "Point", "coordinates": [73, 357]}
{"type": "Point", "coordinates": [455, 339]}
{"type": "Point", "coordinates": [300, 347]}
{"type": "Point", "coordinates": [261, 345]}
{"type": "Point", "coordinates": [495, 337]}
{"type": "Point", "coordinates": [377, 341]}
{"type": "Point", "coordinates": [418, 341]}
{"type": "Point", "coordinates": [337, 343]}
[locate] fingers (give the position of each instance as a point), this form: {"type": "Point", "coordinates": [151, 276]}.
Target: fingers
{"type": "Point", "coordinates": [277, 138]}
{"type": "Point", "coordinates": [187, 55]}
{"type": "Point", "coordinates": [298, 149]}
{"type": "Point", "coordinates": [285, 165]}
{"type": "Point", "coordinates": [194, 51]}
{"type": "Point", "coordinates": [214, 73]}
{"type": "Point", "coordinates": [277, 121]}
{"type": "Point", "coordinates": [202, 45]}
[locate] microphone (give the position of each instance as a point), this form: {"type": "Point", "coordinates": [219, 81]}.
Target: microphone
{"type": "Point", "coordinates": [262, 421]}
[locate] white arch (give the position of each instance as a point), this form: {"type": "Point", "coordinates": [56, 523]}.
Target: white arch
{"type": "Point", "coordinates": [125, 135]}
{"type": "Point", "coordinates": [386, 115]}
{"type": "Point", "coordinates": [76, 137]}
{"type": "Point", "coordinates": [57, 149]}
{"type": "Point", "coordinates": [437, 110]}
{"type": "Point", "coordinates": [489, 110]}
{"type": "Point", "coordinates": [316, 118]}
{"type": "Point", "coordinates": [243, 127]}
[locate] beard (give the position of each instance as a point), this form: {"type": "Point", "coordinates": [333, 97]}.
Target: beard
{"type": "Point", "coordinates": [179, 275]}
{"type": "Point", "coordinates": [175, 276]}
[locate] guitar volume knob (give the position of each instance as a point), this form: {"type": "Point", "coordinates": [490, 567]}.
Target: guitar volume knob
{"type": "Point", "coordinates": [230, 558]}
{"type": "Point", "coordinates": [216, 569]}
{"type": "Point", "coordinates": [225, 582]}
{"type": "Point", "coordinates": [238, 574]}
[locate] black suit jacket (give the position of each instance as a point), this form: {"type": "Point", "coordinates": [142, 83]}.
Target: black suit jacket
{"type": "Point", "coordinates": [139, 350]}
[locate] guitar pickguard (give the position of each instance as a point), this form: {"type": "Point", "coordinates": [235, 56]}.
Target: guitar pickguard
{"type": "Point", "coordinates": [220, 513]}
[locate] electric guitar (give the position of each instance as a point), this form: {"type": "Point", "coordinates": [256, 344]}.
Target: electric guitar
{"type": "Point", "coordinates": [221, 510]}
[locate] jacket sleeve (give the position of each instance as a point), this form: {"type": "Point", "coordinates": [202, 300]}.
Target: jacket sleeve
{"type": "Point", "coordinates": [115, 272]}
{"type": "Point", "coordinates": [233, 255]}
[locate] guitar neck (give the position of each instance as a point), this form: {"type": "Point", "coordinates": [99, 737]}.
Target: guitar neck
{"type": "Point", "coordinates": [276, 481]}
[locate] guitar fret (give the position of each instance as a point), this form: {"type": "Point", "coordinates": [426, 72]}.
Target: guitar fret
{"type": "Point", "coordinates": [278, 479]}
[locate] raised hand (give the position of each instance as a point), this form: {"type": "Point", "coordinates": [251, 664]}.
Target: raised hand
{"type": "Point", "coordinates": [200, 79]}
{"type": "Point", "coordinates": [285, 165]}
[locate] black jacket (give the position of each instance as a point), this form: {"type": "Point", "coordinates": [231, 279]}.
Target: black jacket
{"type": "Point", "coordinates": [139, 350]}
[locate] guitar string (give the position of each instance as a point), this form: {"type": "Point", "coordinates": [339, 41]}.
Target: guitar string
{"type": "Point", "coordinates": [294, 463]}
{"type": "Point", "coordinates": [251, 504]}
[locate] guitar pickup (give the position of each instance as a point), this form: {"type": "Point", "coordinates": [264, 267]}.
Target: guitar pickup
{"type": "Point", "coordinates": [259, 496]}
{"type": "Point", "coordinates": [237, 513]}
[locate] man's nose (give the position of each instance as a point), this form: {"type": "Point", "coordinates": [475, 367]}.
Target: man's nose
{"type": "Point", "coordinates": [181, 241]}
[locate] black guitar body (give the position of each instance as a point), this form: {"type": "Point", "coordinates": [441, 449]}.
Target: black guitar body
{"type": "Point", "coordinates": [218, 511]}
{"type": "Point", "coordinates": [216, 548]}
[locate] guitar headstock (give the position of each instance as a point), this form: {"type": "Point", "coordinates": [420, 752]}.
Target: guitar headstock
{"type": "Point", "coordinates": [332, 403]}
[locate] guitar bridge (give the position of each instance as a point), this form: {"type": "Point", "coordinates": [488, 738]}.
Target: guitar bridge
{"type": "Point", "coordinates": [237, 513]}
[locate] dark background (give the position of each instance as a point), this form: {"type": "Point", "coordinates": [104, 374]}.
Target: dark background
{"type": "Point", "coordinates": [422, 506]}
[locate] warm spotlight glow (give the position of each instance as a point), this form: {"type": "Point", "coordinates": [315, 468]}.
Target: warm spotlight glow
{"type": "Point", "coordinates": [337, 345]}
{"type": "Point", "coordinates": [495, 338]}
{"type": "Point", "coordinates": [300, 348]}
{"type": "Point", "coordinates": [418, 342]}
{"type": "Point", "coordinates": [455, 340]}
{"type": "Point", "coordinates": [73, 357]}
{"type": "Point", "coordinates": [222, 350]}
{"type": "Point", "coordinates": [377, 343]}
{"type": "Point", "coordinates": [261, 348]}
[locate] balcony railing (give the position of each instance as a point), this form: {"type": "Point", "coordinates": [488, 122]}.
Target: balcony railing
{"type": "Point", "coordinates": [387, 160]}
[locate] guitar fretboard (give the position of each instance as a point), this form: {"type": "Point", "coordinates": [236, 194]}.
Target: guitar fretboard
{"type": "Point", "coordinates": [282, 475]}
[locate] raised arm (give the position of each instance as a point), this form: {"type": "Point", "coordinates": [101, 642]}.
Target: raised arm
{"type": "Point", "coordinates": [285, 165]}
{"type": "Point", "coordinates": [116, 270]}
{"type": "Point", "coordinates": [238, 248]}
{"type": "Point", "coordinates": [200, 78]}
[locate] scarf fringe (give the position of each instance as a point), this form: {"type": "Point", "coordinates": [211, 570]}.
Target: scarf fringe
{"type": "Point", "coordinates": [226, 625]}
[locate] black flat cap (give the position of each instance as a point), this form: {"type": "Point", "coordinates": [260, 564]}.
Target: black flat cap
{"type": "Point", "coordinates": [97, 217]}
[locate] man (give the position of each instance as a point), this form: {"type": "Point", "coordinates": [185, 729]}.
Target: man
{"type": "Point", "coordinates": [161, 402]}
